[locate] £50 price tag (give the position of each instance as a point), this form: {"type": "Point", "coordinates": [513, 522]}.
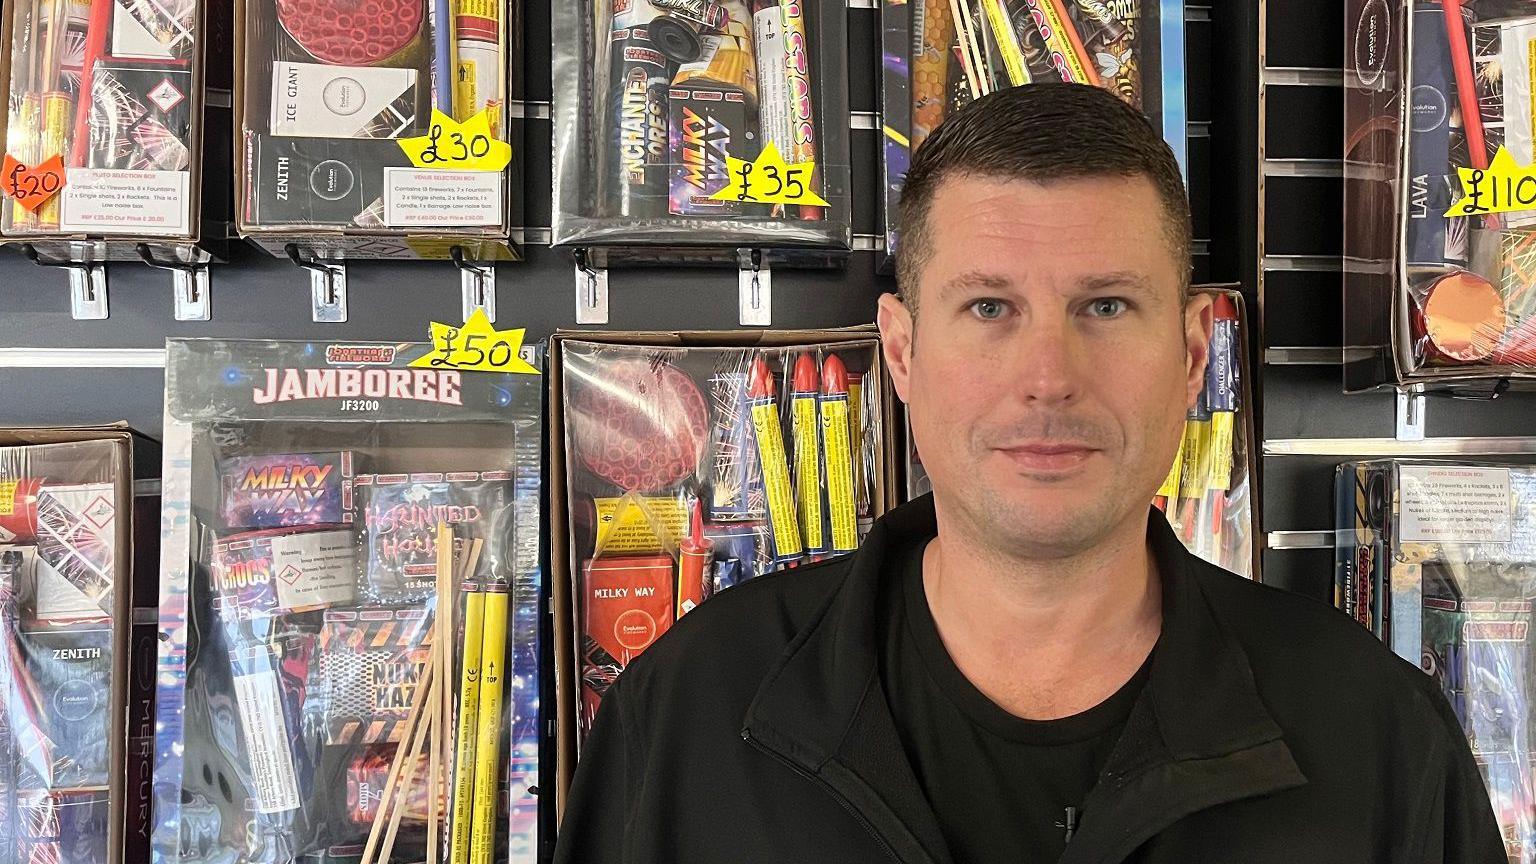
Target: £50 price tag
{"type": "Point", "coordinates": [467, 146]}
{"type": "Point", "coordinates": [770, 180]}
{"type": "Point", "coordinates": [475, 346]}
{"type": "Point", "coordinates": [32, 187]}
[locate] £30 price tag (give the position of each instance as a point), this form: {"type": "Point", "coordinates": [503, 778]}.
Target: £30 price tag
{"type": "Point", "coordinates": [32, 187]}
{"type": "Point", "coordinates": [467, 146]}
{"type": "Point", "coordinates": [475, 346]}
{"type": "Point", "coordinates": [769, 180]}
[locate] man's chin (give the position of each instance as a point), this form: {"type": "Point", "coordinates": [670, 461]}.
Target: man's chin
{"type": "Point", "coordinates": [1042, 526]}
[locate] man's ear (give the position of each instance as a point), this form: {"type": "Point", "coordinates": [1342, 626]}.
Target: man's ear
{"type": "Point", "coordinates": [1197, 345]}
{"type": "Point", "coordinates": [896, 332]}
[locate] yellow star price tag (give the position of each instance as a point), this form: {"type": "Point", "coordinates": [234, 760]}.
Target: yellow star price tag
{"type": "Point", "coordinates": [475, 346]}
{"type": "Point", "coordinates": [769, 180]}
{"type": "Point", "coordinates": [1502, 187]}
{"type": "Point", "coordinates": [467, 146]}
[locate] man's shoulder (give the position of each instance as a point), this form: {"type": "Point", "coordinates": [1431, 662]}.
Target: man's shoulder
{"type": "Point", "coordinates": [1302, 648]}
{"type": "Point", "coordinates": [735, 637]}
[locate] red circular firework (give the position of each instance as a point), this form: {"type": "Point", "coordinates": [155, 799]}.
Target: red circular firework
{"type": "Point", "coordinates": [352, 32]}
{"type": "Point", "coordinates": [642, 427]}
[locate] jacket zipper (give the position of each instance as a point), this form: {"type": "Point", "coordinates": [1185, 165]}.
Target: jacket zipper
{"type": "Point", "coordinates": [885, 845]}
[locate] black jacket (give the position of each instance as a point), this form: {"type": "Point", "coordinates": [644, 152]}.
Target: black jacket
{"type": "Point", "coordinates": [1272, 730]}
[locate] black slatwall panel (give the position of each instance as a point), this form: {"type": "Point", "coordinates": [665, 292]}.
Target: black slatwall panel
{"type": "Point", "coordinates": [1303, 390]}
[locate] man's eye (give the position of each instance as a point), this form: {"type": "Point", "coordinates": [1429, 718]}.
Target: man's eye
{"type": "Point", "coordinates": [988, 309]}
{"type": "Point", "coordinates": [1107, 307]}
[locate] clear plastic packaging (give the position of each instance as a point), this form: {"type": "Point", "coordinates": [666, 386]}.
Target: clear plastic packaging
{"type": "Point", "coordinates": [1208, 493]}
{"type": "Point", "coordinates": [652, 96]}
{"type": "Point", "coordinates": [327, 89]}
{"type": "Point", "coordinates": [64, 580]}
{"type": "Point", "coordinates": [1439, 561]}
{"type": "Point", "coordinates": [114, 90]}
{"type": "Point", "coordinates": [1433, 88]}
{"type": "Point", "coordinates": [931, 67]}
{"type": "Point", "coordinates": [692, 469]}
{"type": "Point", "coordinates": [312, 495]}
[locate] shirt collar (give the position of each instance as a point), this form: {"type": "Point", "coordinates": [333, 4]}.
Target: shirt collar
{"type": "Point", "coordinates": [1201, 685]}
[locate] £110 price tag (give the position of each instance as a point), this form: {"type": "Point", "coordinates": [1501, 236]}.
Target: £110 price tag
{"type": "Point", "coordinates": [467, 146]}
{"type": "Point", "coordinates": [475, 346]}
{"type": "Point", "coordinates": [768, 179]}
{"type": "Point", "coordinates": [32, 187]}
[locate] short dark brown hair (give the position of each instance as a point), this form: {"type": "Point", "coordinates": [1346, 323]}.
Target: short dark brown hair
{"type": "Point", "coordinates": [1039, 132]}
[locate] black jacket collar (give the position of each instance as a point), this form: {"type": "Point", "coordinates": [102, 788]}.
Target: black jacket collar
{"type": "Point", "coordinates": [1198, 736]}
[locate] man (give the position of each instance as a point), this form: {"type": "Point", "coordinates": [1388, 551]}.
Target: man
{"type": "Point", "coordinates": [1028, 667]}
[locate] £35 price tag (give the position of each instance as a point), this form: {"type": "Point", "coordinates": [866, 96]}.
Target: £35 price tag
{"type": "Point", "coordinates": [467, 146]}
{"type": "Point", "coordinates": [769, 180]}
{"type": "Point", "coordinates": [32, 187]}
{"type": "Point", "coordinates": [475, 346]}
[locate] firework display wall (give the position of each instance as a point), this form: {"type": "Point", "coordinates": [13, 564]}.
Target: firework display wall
{"type": "Point", "coordinates": [1439, 560]}
{"type": "Point", "coordinates": [350, 606]}
{"type": "Point", "coordinates": [1431, 89]}
{"type": "Point", "coordinates": [327, 90]}
{"type": "Point", "coordinates": [64, 620]}
{"type": "Point", "coordinates": [104, 123]}
{"type": "Point", "coordinates": [657, 95]}
{"type": "Point", "coordinates": [938, 55]}
{"type": "Point", "coordinates": [742, 454]}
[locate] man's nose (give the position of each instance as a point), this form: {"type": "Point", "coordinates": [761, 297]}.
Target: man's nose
{"type": "Point", "coordinates": [1049, 361]}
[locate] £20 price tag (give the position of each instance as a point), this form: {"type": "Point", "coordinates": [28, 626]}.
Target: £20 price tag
{"type": "Point", "coordinates": [769, 180]}
{"type": "Point", "coordinates": [467, 146]}
{"type": "Point", "coordinates": [475, 346]}
{"type": "Point", "coordinates": [32, 187]}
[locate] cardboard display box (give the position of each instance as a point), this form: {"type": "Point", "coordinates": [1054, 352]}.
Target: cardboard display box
{"type": "Point", "coordinates": [134, 188]}
{"type": "Point", "coordinates": [318, 119]}
{"type": "Point", "coordinates": [114, 621]}
{"type": "Point", "coordinates": [562, 566]}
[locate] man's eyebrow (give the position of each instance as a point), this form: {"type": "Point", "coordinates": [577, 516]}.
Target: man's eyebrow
{"type": "Point", "coordinates": [974, 280]}
{"type": "Point", "coordinates": [1124, 281]}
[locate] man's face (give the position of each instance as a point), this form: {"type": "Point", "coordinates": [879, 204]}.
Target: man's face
{"type": "Point", "coordinates": [1055, 358]}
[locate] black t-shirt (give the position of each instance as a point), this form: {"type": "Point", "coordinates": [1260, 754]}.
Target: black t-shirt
{"type": "Point", "coordinates": [1000, 785]}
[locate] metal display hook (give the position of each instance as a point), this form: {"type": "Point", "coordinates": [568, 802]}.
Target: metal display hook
{"type": "Point", "coordinates": [87, 285]}
{"type": "Point", "coordinates": [327, 287]}
{"type": "Point", "coordinates": [477, 282]}
{"type": "Point", "coordinates": [190, 285]}
{"type": "Point", "coordinates": [591, 290]}
{"type": "Point", "coordinates": [754, 295]}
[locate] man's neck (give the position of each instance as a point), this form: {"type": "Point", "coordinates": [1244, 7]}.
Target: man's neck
{"type": "Point", "coordinates": [1045, 639]}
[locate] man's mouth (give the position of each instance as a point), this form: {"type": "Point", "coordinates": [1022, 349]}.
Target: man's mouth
{"type": "Point", "coordinates": [1049, 457]}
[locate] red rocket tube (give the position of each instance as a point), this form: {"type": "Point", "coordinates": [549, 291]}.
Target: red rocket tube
{"type": "Point", "coordinates": [692, 560]}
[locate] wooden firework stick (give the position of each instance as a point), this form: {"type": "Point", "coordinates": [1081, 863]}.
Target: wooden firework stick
{"type": "Point", "coordinates": [965, 55]}
{"type": "Point", "coordinates": [412, 759]}
{"type": "Point", "coordinates": [981, 60]}
{"type": "Point", "coordinates": [411, 728]}
{"type": "Point", "coordinates": [967, 43]}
